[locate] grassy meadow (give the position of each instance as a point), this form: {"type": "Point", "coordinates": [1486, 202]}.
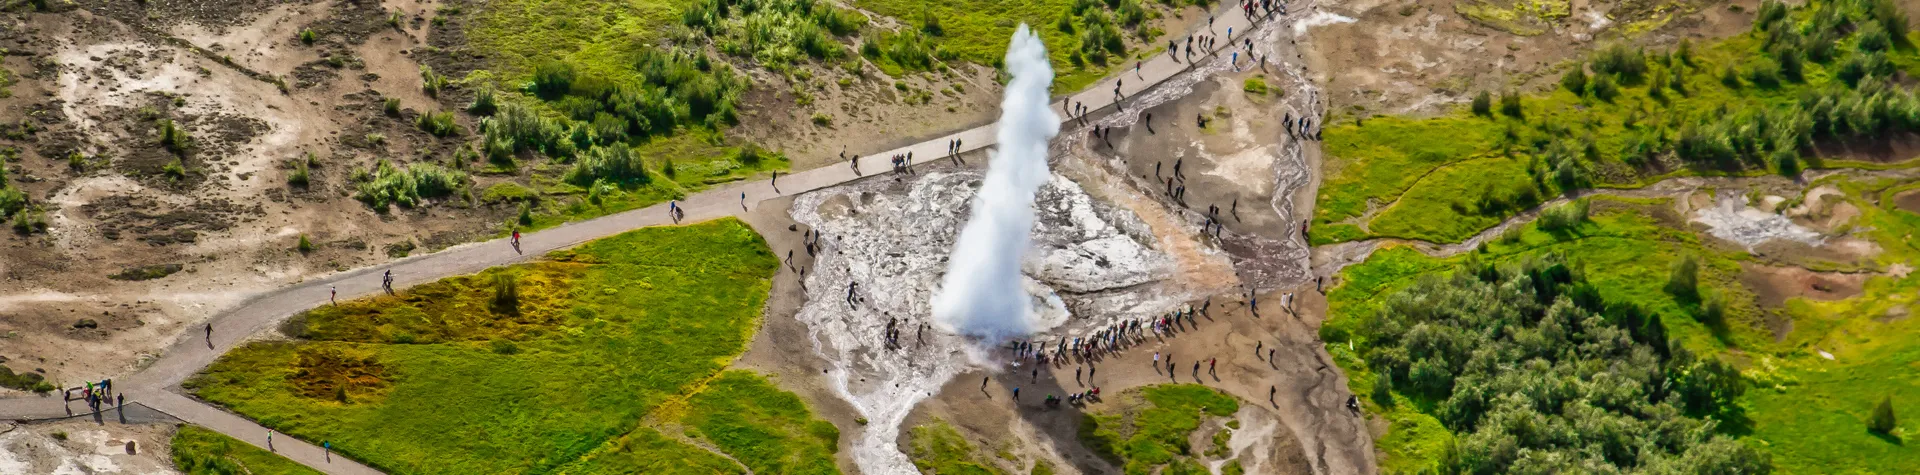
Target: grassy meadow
{"type": "Point", "coordinates": [533, 367]}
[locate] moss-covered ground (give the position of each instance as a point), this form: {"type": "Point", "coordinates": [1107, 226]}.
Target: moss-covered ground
{"type": "Point", "coordinates": [1151, 436]}
{"type": "Point", "coordinates": [453, 377]}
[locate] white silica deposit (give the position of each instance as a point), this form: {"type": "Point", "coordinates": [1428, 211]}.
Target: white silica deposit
{"type": "Point", "coordinates": [1089, 263]}
{"type": "Point", "coordinates": [1734, 221]}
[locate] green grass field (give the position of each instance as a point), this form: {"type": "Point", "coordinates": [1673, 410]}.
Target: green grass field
{"type": "Point", "coordinates": [198, 451]}
{"type": "Point", "coordinates": [1811, 412]}
{"type": "Point", "coordinates": [1429, 178]}
{"type": "Point", "coordinates": [444, 379]}
{"type": "Point", "coordinates": [1152, 437]}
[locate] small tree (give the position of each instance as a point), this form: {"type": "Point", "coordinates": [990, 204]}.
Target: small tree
{"type": "Point", "coordinates": [1483, 104]}
{"type": "Point", "coordinates": [307, 36]}
{"type": "Point", "coordinates": [1883, 421]}
{"type": "Point", "coordinates": [506, 293]}
{"type": "Point", "coordinates": [305, 246]}
{"type": "Point", "coordinates": [1684, 280]}
{"type": "Point", "coordinates": [1510, 104]}
{"type": "Point", "coordinates": [1575, 80]}
{"type": "Point", "coordinates": [1383, 390]}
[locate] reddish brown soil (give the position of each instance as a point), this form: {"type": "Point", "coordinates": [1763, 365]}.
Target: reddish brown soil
{"type": "Point", "coordinates": [1773, 286]}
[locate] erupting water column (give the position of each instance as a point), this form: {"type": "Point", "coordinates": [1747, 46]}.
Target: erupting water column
{"type": "Point", "coordinates": [983, 294]}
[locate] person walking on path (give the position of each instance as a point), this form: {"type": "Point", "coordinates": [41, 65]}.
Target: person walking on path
{"type": "Point", "coordinates": [1256, 348]}
{"type": "Point", "coordinates": [209, 335]}
{"type": "Point", "coordinates": [270, 441]}
{"type": "Point", "coordinates": [386, 282]}
{"type": "Point", "coordinates": [743, 201]}
{"type": "Point", "coordinates": [983, 383]}
{"type": "Point", "coordinates": [1016, 393]}
{"type": "Point", "coordinates": [516, 241]}
{"type": "Point", "coordinates": [776, 181]}
{"type": "Point", "coordinates": [333, 294]}
{"type": "Point", "coordinates": [1213, 364]}
{"type": "Point", "coordinates": [327, 448]}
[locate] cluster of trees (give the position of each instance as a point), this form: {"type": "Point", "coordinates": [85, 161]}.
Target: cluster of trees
{"type": "Point", "coordinates": [912, 50]}
{"type": "Point", "coordinates": [1536, 373]}
{"type": "Point", "coordinates": [1099, 25]}
{"type": "Point", "coordinates": [1849, 38]}
{"type": "Point", "coordinates": [678, 89]}
{"type": "Point", "coordinates": [775, 33]}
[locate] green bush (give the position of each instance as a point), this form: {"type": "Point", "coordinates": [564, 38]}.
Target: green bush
{"type": "Point", "coordinates": [1605, 89]}
{"type": "Point", "coordinates": [1575, 80]}
{"type": "Point", "coordinates": [1255, 85]}
{"type": "Point", "coordinates": [174, 170]}
{"type": "Point", "coordinates": [30, 220]}
{"type": "Point", "coordinates": [1510, 104]}
{"type": "Point", "coordinates": [1764, 73]}
{"type": "Point", "coordinates": [506, 293]}
{"type": "Point", "coordinates": [408, 187]}
{"type": "Point", "coordinates": [12, 200]}
{"type": "Point", "coordinates": [775, 33]}
{"type": "Point", "coordinates": [304, 246]}
{"type": "Point", "coordinates": [1883, 421]}
{"type": "Point", "coordinates": [615, 163]}
{"type": "Point", "coordinates": [300, 175]}
{"type": "Point", "coordinates": [174, 138]}
{"type": "Point", "coordinates": [1629, 65]}
{"type": "Point", "coordinates": [307, 36]}
{"type": "Point", "coordinates": [1483, 104]}
{"type": "Point", "coordinates": [1564, 217]}
{"type": "Point", "coordinates": [1683, 281]}
{"type": "Point", "coordinates": [440, 124]}
{"type": "Point", "coordinates": [908, 50]}
{"type": "Point", "coordinates": [391, 106]}
{"type": "Point", "coordinates": [1099, 37]}
{"type": "Point", "coordinates": [483, 102]}
{"type": "Point", "coordinates": [553, 80]}
{"type": "Point", "coordinates": [431, 83]}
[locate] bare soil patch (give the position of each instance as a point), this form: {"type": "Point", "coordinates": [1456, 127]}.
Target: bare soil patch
{"type": "Point", "coordinates": [1772, 286]}
{"type": "Point", "coordinates": [1908, 201]}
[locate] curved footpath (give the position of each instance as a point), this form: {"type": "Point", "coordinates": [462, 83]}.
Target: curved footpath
{"type": "Point", "coordinates": [156, 385]}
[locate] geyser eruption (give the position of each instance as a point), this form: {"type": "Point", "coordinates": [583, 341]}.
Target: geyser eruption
{"type": "Point", "coordinates": [983, 294]}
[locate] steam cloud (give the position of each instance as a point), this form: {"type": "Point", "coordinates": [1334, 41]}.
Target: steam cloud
{"type": "Point", "coordinates": [983, 293]}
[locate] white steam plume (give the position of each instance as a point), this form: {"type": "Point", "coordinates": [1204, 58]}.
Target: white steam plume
{"type": "Point", "coordinates": [982, 294]}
